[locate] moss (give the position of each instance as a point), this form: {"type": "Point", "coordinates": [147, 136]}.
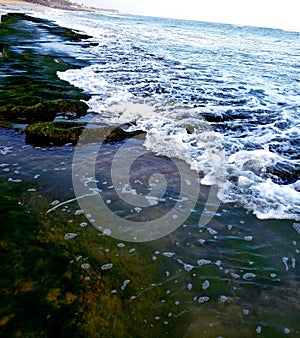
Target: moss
{"type": "Point", "coordinates": [107, 134]}
{"type": "Point", "coordinates": [27, 100]}
{"type": "Point", "coordinates": [31, 109]}
{"type": "Point", "coordinates": [126, 313]}
{"type": "Point", "coordinates": [44, 110]}
{"type": "Point", "coordinates": [40, 111]}
{"type": "Point", "coordinates": [30, 88]}
{"type": "Point", "coordinates": [24, 277]}
{"type": "Point", "coordinates": [56, 133]}
{"type": "Point", "coordinates": [62, 132]}
{"type": "Point", "coordinates": [49, 294]}
{"type": "Point", "coordinates": [79, 108]}
{"type": "Point", "coordinates": [73, 35]}
{"type": "Point", "coordinates": [6, 124]}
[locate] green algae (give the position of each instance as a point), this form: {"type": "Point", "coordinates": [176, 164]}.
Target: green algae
{"type": "Point", "coordinates": [30, 88]}
{"type": "Point", "coordinates": [30, 268]}
{"type": "Point", "coordinates": [54, 287]}
{"type": "Point", "coordinates": [56, 133]}
{"type": "Point", "coordinates": [6, 124]}
{"type": "Point", "coordinates": [62, 132]}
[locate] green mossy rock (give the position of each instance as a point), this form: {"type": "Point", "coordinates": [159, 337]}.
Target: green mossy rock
{"type": "Point", "coordinates": [46, 291]}
{"type": "Point", "coordinates": [62, 132]}
{"type": "Point", "coordinates": [53, 133]}
{"type": "Point", "coordinates": [33, 50]}
{"type": "Point", "coordinates": [6, 124]}
{"type": "Point", "coordinates": [78, 108]}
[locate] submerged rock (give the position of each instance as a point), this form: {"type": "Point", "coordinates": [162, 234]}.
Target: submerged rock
{"type": "Point", "coordinates": [33, 50]}
{"type": "Point", "coordinates": [53, 133]}
{"type": "Point", "coordinates": [284, 173]}
{"type": "Point", "coordinates": [62, 132]}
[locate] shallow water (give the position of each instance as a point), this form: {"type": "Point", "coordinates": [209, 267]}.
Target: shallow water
{"type": "Point", "coordinates": [220, 99]}
{"type": "Point", "coordinates": [175, 79]}
{"type": "Point", "coordinates": [236, 275]}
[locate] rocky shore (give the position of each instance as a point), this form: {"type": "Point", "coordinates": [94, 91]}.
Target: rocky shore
{"type": "Point", "coordinates": [31, 92]}
{"type": "Point", "coordinates": [58, 276]}
{"type": "Point", "coordinates": [30, 58]}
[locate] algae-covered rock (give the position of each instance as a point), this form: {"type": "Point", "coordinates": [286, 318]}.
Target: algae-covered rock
{"type": "Point", "coordinates": [62, 132]}
{"type": "Point", "coordinates": [31, 56]}
{"type": "Point", "coordinates": [53, 133]}
{"type": "Point", "coordinates": [107, 134]}
{"type": "Point", "coordinates": [77, 108]}
{"type": "Point", "coordinates": [53, 287]}
{"type": "Point", "coordinates": [6, 124]}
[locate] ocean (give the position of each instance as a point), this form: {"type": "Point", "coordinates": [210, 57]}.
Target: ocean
{"type": "Point", "coordinates": [240, 83]}
{"type": "Point", "coordinates": [214, 182]}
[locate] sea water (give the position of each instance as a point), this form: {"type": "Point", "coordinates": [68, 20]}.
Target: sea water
{"type": "Point", "coordinates": [225, 100]}
{"type": "Point", "coordinates": [175, 79]}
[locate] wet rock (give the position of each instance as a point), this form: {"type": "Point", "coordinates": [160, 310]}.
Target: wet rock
{"type": "Point", "coordinates": [33, 50]}
{"type": "Point", "coordinates": [62, 132]}
{"type": "Point", "coordinates": [284, 173]}
{"type": "Point", "coordinates": [53, 133]}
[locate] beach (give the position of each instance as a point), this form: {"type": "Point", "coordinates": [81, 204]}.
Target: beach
{"type": "Point", "coordinates": [25, 4]}
{"type": "Point", "coordinates": [14, 2]}
{"type": "Point", "coordinates": [149, 185]}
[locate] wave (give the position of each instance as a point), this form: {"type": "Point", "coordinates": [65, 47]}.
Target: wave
{"type": "Point", "coordinates": [199, 93]}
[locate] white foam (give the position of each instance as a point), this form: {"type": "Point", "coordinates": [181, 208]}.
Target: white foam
{"type": "Point", "coordinates": [258, 159]}
{"type": "Point", "coordinates": [264, 197]}
{"type": "Point", "coordinates": [296, 226]}
{"type": "Point", "coordinates": [203, 299]}
{"type": "Point", "coordinates": [179, 131]}
{"type": "Point", "coordinates": [107, 266]}
{"type": "Point", "coordinates": [276, 201]}
{"type": "Point", "coordinates": [202, 150]}
{"type": "Point", "coordinates": [87, 77]}
{"type": "Point", "coordinates": [205, 285]}
{"type": "Point", "coordinates": [70, 235]}
{"type": "Point", "coordinates": [4, 150]}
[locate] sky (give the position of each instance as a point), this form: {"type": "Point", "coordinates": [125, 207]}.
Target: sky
{"type": "Point", "coordinates": [265, 13]}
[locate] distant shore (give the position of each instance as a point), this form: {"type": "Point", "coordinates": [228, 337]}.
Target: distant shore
{"type": "Point", "coordinates": [18, 3]}
{"type": "Point", "coordinates": [76, 7]}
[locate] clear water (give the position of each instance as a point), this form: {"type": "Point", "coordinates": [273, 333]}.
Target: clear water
{"type": "Point", "coordinates": [241, 83]}
{"type": "Point", "coordinates": [237, 276]}
{"type": "Point", "coordinates": [234, 277]}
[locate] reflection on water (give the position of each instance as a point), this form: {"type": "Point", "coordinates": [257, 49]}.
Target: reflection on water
{"type": "Point", "coordinates": [234, 277]}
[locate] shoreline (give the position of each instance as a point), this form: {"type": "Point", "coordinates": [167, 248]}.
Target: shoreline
{"type": "Point", "coordinates": [80, 269]}
{"type": "Point", "coordinates": [51, 107]}
{"type": "Point", "coordinates": [16, 3]}
{"type": "Point", "coordinates": [20, 3]}
{"type": "Point", "coordinates": [77, 7]}
{"type": "Point", "coordinates": [61, 276]}
{"type": "Point", "coordinates": [25, 46]}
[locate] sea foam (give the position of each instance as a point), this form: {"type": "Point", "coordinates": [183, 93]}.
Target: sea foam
{"type": "Point", "coordinates": [237, 124]}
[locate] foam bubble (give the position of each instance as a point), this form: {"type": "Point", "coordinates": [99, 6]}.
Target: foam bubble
{"type": "Point", "coordinates": [296, 226]}
{"type": "Point", "coordinates": [253, 125]}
